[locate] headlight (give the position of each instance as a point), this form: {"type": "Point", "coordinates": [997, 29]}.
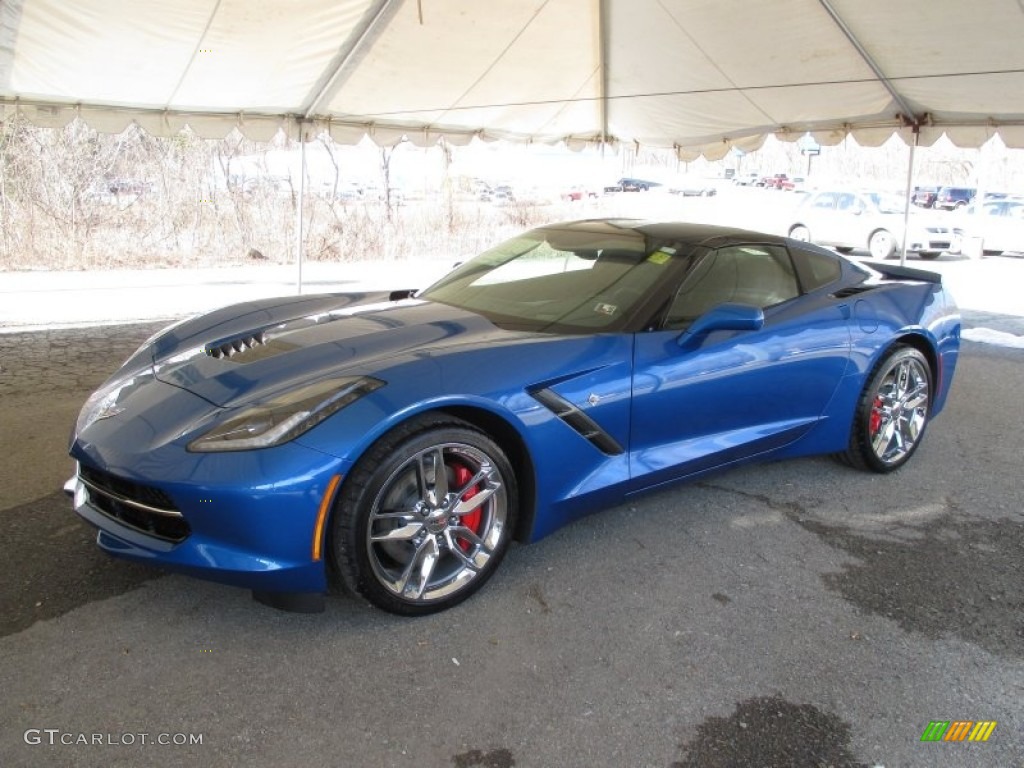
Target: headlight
{"type": "Point", "coordinates": [286, 416]}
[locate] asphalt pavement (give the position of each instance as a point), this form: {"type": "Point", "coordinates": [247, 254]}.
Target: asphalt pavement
{"type": "Point", "coordinates": [792, 614]}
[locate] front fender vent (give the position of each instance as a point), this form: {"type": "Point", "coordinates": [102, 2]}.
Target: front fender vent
{"type": "Point", "coordinates": [578, 421]}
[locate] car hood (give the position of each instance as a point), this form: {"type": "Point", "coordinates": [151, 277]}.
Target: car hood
{"type": "Point", "coordinates": [228, 362]}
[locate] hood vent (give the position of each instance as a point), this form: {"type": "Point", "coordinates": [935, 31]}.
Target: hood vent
{"type": "Point", "coordinates": [231, 347]}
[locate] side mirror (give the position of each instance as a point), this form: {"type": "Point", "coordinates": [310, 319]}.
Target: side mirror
{"type": "Point", "coordinates": [724, 317]}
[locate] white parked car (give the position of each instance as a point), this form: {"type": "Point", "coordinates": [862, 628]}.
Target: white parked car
{"type": "Point", "coordinates": [847, 220]}
{"type": "Point", "coordinates": [999, 224]}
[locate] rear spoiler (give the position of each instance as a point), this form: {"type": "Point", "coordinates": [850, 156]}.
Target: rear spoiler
{"type": "Point", "coordinates": [896, 272]}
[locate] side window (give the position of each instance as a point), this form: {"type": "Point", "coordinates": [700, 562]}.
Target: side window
{"type": "Point", "coordinates": [761, 275]}
{"type": "Point", "coordinates": [850, 204]}
{"type": "Point", "coordinates": [816, 269]}
{"type": "Point", "coordinates": [826, 200]}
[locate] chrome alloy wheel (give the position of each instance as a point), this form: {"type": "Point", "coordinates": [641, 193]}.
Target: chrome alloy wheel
{"type": "Point", "coordinates": [436, 522]}
{"type": "Point", "coordinates": [899, 410]}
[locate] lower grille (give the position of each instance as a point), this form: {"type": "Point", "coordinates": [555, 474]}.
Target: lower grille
{"type": "Point", "coordinates": [141, 507]}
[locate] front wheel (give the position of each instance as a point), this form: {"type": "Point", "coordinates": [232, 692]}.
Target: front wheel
{"type": "Point", "coordinates": [425, 517]}
{"type": "Point", "coordinates": [882, 244]}
{"type": "Point", "coordinates": [892, 412]}
{"type": "Point", "coordinates": [929, 255]}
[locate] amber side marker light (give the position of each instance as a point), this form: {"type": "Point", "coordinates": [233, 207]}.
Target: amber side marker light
{"type": "Point", "coordinates": [321, 517]}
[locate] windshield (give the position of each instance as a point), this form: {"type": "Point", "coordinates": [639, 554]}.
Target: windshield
{"type": "Point", "coordinates": [574, 278]}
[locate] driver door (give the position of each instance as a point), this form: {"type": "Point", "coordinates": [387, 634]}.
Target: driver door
{"type": "Point", "coordinates": [727, 395]}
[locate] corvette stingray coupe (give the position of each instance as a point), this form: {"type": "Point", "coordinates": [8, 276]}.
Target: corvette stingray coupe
{"type": "Point", "coordinates": [396, 443]}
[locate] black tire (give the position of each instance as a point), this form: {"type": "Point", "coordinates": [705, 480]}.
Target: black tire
{"type": "Point", "coordinates": [398, 538]}
{"type": "Point", "coordinates": [844, 249]}
{"type": "Point", "coordinates": [896, 400]}
{"type": "Point", "coordinates": [929, 255]}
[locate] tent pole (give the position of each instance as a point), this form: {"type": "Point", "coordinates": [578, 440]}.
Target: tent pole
{"type": "Point", "coordinates": [604, 33]}
{"type": "Point", "coordinates": [299, 244]}
{"type": "Point", "coordinates": [910, 193]}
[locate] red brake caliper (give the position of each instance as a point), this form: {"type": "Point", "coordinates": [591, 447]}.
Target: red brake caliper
{"type": "Point", "coordinates": [875, 422]}
{"type": "Point", "coordinates": [472, 521]}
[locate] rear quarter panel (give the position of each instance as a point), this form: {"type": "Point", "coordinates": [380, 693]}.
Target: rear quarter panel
{"type": "Point", "coordinates": [921, 314]}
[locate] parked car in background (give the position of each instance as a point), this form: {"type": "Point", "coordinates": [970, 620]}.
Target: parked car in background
{"type": "Point", "coordinates": [924, 197]}
{"type": "Point", "coordinates": [693, 187]}
{"type": "Point", "coordinates": [949, 198]}
{"type": "Point", "coordinates": [776, 181]}
{"type": "Point", "coordinates": [796, 184]}
{"type": "Point", "coordinates": [746, 180]}
{"type": "Point", "coordinates": [873, 220]}
{"type": "Point", "coordinates": [627, 184]}
{"type": "Point", "coordinates": [502, 195]}
{"type": "Point", "coordinates": [579, 193]}
{"type": "Point", "coordinates": [999, 224]}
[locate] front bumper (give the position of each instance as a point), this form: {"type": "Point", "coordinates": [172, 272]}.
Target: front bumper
{"type": "Point", "coordinates": [232, 535]}
{"type": "Point", "coordinates": [932, 242]}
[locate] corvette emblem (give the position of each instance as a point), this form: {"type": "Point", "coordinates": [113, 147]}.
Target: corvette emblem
{"type": "Point", "coordinates": [109, 410]}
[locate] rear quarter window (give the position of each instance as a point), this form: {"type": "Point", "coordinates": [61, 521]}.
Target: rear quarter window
{"type": "Point", "coordinates": [815, 269]}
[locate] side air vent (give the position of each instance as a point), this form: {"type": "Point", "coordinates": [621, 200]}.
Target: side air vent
{"type": "Point", "coordinates": [853, 290]}
{"type": "Point", "coordinates": [578, 421]}
{"type": "Point", "coordinates": [230, 347]}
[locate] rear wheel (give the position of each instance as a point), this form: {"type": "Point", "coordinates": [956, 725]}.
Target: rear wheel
{"type": "Point", "coordinates": [801, 233]}
{"type": "Point", "coordinates": [882, 244]}
{"type": "Point", "coordinates": [892, 412]}
{"type": "Point", "coordinates": [928, 255]}
{"type": "Point", "coordinates": [425, 517]}
{"type": "Point", "coordinates": [844, 249]}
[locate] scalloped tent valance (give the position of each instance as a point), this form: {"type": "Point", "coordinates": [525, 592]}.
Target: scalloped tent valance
{"type": "Point", "coordinates": [696, 76]}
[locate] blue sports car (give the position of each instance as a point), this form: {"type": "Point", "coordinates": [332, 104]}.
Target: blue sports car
{"type": "Point", "coordinates": [397, 443]}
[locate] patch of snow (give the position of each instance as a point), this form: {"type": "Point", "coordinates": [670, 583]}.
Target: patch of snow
{"type": "Point", "coordinates": [990, 336]}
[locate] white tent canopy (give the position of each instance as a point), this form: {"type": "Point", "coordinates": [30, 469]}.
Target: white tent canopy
{"type": "Point", "coordinates": [696, 75]}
